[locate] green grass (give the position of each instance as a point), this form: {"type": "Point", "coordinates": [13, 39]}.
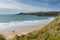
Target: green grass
{"type": "Point", "coordinates": [2, 37]}
{"type": "Point", "coordinates": [49, 32]}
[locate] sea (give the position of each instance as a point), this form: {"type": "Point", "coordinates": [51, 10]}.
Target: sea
{"type": "Point", "coordinates": [21, 22]}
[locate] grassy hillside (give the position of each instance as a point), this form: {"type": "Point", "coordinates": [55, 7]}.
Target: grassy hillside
{"type": "Point", "coordinates": [49, 32]}
{"type": "Point", "coordinates": [2, 37]}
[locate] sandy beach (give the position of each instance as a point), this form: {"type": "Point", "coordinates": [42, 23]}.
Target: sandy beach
{"type": "Point", "coordinates": [11, 34]}
{"type": "Point", "coordinates": [10, 29]}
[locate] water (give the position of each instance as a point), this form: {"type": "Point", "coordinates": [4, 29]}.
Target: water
{"type": "Point", "coordinates": [9, 18]}
{"type": "Point", "coordinates": [15, 22]}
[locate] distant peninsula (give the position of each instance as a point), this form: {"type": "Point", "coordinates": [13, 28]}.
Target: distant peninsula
{"type": "Point", "coordinates": [52, 13]}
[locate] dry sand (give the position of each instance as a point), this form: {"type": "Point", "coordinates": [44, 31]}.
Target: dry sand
{"type": "Point", "coordinates": [9, 35]}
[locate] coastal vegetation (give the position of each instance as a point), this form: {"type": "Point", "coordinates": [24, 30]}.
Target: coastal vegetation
{"type": "Point", "coordinates": [49, 32]}
{"type": "Point", "coordinates": [2, 37]}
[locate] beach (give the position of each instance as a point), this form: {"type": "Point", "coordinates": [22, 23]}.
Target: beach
{"type": "Point", "coordinates": [11, 34]}
{"type": "Point", "coordinates": [11, 25]}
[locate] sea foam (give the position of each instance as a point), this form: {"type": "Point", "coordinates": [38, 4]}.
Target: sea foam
{"type": "Point", "coordinates": [21, 25]}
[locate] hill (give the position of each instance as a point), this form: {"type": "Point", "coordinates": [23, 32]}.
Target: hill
{"type": "Point", "coordinates": [53, 13]}
{"type": "Point", "coordinates": [2, 37]}
{"type": "Point", "coordinates": [49, 32]}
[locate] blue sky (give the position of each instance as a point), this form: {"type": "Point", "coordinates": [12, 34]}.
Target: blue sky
{"type": "Point", "coordinates": [16, 6]}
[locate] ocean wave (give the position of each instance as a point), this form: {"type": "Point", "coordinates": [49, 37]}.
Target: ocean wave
{"type": "Point", "coordinates": [14, 25]}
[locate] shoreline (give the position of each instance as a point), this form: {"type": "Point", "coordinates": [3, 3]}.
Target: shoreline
{"type": "Point", "coordinates": [19, 32]}
{"type": "Point", "coordinates": [9, 35]}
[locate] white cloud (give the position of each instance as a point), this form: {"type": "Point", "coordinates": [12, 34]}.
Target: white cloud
{"type": "Point", "coordinates": [16, 5]}
{"type": "Point", "coordinates": [12, 4]}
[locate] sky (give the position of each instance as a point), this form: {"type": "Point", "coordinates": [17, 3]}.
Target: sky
{"type": "Point", "coordinates": [16, 6]}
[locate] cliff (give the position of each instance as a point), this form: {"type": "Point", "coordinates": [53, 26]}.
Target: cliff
{"type": "Point", "coordinates": [49, 32]}
{"type": "Point", "coordinates": [41, 13]}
